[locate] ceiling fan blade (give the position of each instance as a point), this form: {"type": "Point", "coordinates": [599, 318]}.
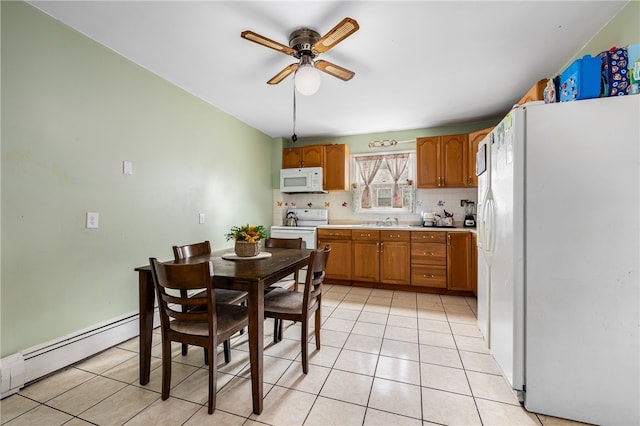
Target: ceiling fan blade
{"type": "Point", "coordinates": [335, 70]}
{"type": "Point", "coordinates": [257, 38]}
{"type": "Point", "coordinates": [283, 74]}
{"type": "Point", "coordinates": [341, 31]}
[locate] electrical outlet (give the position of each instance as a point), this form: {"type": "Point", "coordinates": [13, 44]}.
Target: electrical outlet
{"type": "Point", "coordinates": [92, 220]}
{"type": "Point", "coordinates": [201, 218]}
{"type": "Point", "coordinates": [463, 203]}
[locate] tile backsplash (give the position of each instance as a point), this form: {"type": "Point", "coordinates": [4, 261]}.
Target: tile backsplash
{"type": "Point", "coordinates": [340, 205]}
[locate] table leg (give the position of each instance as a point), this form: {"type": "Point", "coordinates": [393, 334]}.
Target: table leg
{"type": "Point", "coordinates": [146, 298]}
{"type": "Point", "coordinates": [256, 340]}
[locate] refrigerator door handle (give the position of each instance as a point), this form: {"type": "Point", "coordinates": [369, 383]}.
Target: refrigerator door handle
{"type": "Point", "coordinates": [485, 227]}
{"type": "Point", "coordinates": [491, 226]}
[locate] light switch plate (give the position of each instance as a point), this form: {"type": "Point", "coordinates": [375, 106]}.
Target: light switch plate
{"type": "Point", "coordinates": [127, 167]}
{"type": "Point", "coordinates": [201, 218]}
{"type": "Point", "coordinates": [92, 220]}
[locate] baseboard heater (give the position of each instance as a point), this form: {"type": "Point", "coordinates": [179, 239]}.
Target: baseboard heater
{"type": "Point", "coordinates": [18, 370]}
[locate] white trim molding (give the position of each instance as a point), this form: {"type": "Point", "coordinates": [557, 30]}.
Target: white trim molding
{"type": "Point", "coordinates": [19, 369]}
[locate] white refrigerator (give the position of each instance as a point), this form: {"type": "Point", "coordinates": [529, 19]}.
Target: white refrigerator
{"type": "Point", "coordinates": [559, 254]}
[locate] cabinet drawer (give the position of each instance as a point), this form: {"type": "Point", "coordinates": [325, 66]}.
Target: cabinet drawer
{"type": "Point", "coordinates": [429, 236]}
{"type": "Point", "coordinates": [334, 234]}
{"type": "Point", "coordinates": [365, 234]}
{"type": "Point", "coordinates": [429, 276]}
{"type": "Point", "coordinates": [395, 235]}
{"type": "Point", "coordinates": [429, 253]}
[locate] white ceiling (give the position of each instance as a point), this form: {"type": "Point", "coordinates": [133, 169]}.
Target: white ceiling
{"type": "Point", "coordinates": [418, 64]}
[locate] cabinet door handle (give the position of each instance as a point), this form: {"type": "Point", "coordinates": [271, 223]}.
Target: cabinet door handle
{"type": "Point", "coordinates": [428, 276]}
{"type": "Point", "coordinates": [378, 247]}
{"type": "Point", "coordinates": [365, 235]}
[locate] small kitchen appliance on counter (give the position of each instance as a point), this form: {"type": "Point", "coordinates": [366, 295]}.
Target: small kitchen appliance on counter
{"type": "Point", "coordinates": [291, 219]}
{"type": "Point", "coordinates": [470, 215]}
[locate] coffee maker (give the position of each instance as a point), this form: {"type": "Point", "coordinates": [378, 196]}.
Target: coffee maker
{"type": "Point", "coordinates": [470, 215]}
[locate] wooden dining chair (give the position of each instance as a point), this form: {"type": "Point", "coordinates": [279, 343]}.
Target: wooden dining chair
{"type": "Point", "coordinates": [223, 296]}
{"type": "Point", "coordinates": [287, 243]}
{"type": "Point", "coordinates": [283, 304]}
{"type": "Point", "coordinates": [203, 323]}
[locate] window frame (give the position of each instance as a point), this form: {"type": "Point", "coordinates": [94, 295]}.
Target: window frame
{"type": "Point", "coordinates": [406, 185]}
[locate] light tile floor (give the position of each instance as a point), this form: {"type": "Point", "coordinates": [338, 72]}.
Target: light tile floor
{"type": "Point", "coordinates": [387, 358]}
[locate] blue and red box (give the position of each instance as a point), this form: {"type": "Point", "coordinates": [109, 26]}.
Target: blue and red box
{"type": "Point", "coordinates": [581, 79]}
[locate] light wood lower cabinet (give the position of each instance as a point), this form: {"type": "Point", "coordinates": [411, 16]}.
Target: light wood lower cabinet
{"type": "Point", "coordinates": [366, 255]}
{"type": "Point", "coordinates": [459, 268]}
{"type": "Point", "coordinates": [429, 259]}
{"type": "Point", "coordinates": [339, 263]}
{"type": "Point", "coordinates": [395, 255]}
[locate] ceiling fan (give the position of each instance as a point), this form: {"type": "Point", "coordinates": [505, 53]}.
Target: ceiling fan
{"type": "Point", "coordinates": [305, 44]}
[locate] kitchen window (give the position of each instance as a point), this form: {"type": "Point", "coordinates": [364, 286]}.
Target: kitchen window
{"type": "Point", "coordinates": [383, 183]}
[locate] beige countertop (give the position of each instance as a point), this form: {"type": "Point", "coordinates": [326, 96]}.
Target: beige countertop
{"type": "Point", "coordinates": [400, 227]}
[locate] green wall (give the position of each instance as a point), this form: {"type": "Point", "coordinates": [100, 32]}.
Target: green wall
{"type": "Point", "coordinates": [72, 111]}
{"type": "Point", "coordinates": [622, 30]}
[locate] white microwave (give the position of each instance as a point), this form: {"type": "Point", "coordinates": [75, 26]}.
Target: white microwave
{"type": "Point", "coordinates": [306, 179]}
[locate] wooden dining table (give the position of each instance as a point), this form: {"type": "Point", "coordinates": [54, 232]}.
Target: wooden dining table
{"type": "Point", "coordinates": [252, 276]}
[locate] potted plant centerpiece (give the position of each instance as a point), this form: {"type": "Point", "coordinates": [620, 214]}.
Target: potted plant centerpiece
{"type": "Point", "coordinates": [247, 238]}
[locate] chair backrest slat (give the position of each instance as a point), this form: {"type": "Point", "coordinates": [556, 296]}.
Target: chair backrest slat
{"type": "Point", "coordinates": [290, 243]}
{"type": "Point", "coordinates": [183, 277]}
{"type": "Point", "coordinates": [315, 275]}
{"type": "Point", "coordinates": [191, 250]}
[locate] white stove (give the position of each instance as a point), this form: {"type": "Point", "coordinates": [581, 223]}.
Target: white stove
{"type": "Point", "coordinates": [308, 222]}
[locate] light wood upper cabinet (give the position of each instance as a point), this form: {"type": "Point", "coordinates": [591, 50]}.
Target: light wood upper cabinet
{"type": "Point", "coordinates": [535, 93]}
{"type": "Point", "coordinates": [459, 267]}
{"type": "Point", "coordinates": [454, 161]}
{"type": "Point", "coordinates": [304, 156]}
{"type": "Point", "coordinates": [339, 262]}
{"type": "Point", "coordinates": [442, 161]}
{"type": "Point", "coordinates": [474, 140]}
{"type": "Point", "coordinates": [428, 162]}
{"type": "Point", "coordinates": [336, 167]}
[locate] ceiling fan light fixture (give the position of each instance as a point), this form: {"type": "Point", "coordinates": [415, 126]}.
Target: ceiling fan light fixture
{"type": "Point", "coordinates": [307, 77]}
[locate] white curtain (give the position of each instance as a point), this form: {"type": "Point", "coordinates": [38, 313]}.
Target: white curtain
{"type": "Point", "coordinates": [368, 167]}
{"type": "Point", "coordinates": [397, 163]}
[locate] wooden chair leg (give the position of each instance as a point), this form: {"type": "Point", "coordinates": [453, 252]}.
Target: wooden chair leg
{"type": "Point", "coordinates": [185, 347]}
{"type": "Point", "coordinates": [226, 346]}
{"type": "Point", "coordinates": [277, 330]}
{"type": "Point", "coordinates": [317, 327]}
{"type": "Point", "coordinates": [305, 345]}
{"type": "Point", "coordinates": [212, 378]}
{"type": "Point", "coordinates": [166, 368]}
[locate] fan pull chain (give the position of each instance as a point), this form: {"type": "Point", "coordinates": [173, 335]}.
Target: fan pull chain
{"type": "Point", "coordinates": [294, 137]}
